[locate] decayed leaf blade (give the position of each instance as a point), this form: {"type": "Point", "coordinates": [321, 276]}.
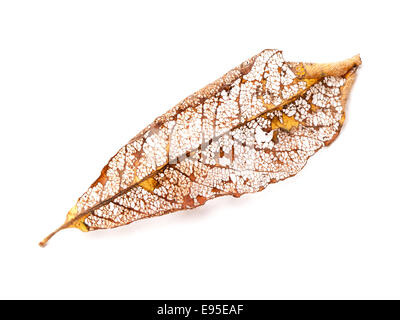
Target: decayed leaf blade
{"type": "Point", "coordinates": [256, 125]}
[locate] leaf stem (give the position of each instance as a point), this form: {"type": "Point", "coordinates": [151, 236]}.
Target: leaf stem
{"type": "Point", "coordinates": [45, 240]}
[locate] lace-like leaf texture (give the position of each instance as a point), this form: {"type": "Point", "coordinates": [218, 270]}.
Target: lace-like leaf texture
{"type": "Point", "coordinates": [256, 125]}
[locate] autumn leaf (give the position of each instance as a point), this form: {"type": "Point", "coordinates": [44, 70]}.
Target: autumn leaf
{"type": "Point", "coordinates": [258, 124]}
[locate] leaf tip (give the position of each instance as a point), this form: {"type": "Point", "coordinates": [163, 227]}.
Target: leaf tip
{"type": "Point", "coordinates": [357, 60]}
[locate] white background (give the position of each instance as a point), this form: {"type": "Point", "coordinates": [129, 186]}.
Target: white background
{"type": "Point", "coordinates": [78, 79]}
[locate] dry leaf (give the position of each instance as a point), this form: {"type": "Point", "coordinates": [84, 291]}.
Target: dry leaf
{"type": "Point", "coordinates": [256, 125]}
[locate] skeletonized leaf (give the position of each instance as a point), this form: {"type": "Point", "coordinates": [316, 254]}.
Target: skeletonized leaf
{"type": "Point", "coordinates": [256, 125]}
